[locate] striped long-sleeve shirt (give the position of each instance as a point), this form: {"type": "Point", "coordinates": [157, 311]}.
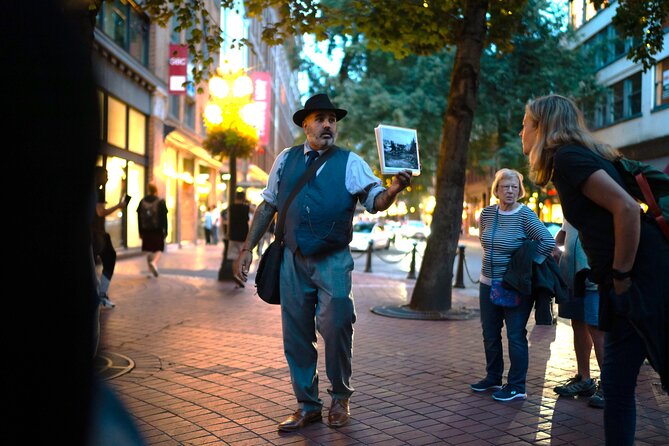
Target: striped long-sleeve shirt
{"type": "Point", "coordinates": [512, 229]}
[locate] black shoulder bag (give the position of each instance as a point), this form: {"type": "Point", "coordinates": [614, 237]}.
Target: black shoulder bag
{"type": "Point", "coordinates": [269, 267]}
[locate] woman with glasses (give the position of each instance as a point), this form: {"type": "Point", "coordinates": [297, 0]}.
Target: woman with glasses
{"type": "Point", "coordinates": [503, 228]}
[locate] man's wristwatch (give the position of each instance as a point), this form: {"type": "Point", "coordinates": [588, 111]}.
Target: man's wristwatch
{"type": "Point", "coordinates": [620, 275]}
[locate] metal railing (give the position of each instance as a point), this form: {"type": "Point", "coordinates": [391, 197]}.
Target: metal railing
{"type": "Point", "coordinates": [459, 275]}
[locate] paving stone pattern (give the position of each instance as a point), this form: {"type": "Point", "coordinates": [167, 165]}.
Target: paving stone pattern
{"type": "Point", "coordinates": [209, 369]}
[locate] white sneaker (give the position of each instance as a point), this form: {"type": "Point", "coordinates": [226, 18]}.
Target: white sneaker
{"type": "Point", "coordinates": [105, 302]}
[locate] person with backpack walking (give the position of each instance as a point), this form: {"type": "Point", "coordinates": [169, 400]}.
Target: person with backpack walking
{"type": "Point", "coordinates": [152, 221]}
{"type": "Point", "coordinates": [627, 252]}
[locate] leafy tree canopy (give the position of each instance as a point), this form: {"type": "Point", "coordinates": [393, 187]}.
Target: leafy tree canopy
{"type": "Point", "coordinates": [403, 27]}
{"type": "Point", "coordinates": [410, 92]}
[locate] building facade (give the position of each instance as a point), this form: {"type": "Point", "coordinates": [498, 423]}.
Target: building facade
{"type": "Point", "coordinates": [149, 135]}
{"type": "Point", "coordinates": [633, 115]}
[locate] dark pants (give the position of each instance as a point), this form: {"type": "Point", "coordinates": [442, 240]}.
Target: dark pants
{"type": "Point", "coordinates": [624, 352]}
{"type": "Point", "coordinates": [108, 257]}
{"type": "Point", "coordinates": [646, 304]}
{"type": "Point", "coordinates": [493, 318]}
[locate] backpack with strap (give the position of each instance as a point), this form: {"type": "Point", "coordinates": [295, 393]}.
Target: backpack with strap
{"type": "Point", "coordinates": [149, 219]}
{"type": "Point", "coordinates": [650, 186]}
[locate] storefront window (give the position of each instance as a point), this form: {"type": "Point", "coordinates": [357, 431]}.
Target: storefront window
{"type": "Point", "coordinates": [170, 172]}
{"type": "Point", "coordinates": [136, 175]}
{"type": "Point", "coordinates": [116, 118]}
{"type": "Point", "coordinates": [137, 132]}
{"type": "Point", "coordinates": [114, 190]}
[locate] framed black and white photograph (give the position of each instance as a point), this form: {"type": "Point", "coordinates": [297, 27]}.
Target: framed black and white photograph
{"type": "Point", "coordinates": [398, 149]}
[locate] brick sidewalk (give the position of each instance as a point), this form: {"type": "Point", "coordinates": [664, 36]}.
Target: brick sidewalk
{"type": "Point", "coordinates": [209, 369]}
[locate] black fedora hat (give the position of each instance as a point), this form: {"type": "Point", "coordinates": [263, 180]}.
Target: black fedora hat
{"type": "Point", "coordinates": [316, 103]}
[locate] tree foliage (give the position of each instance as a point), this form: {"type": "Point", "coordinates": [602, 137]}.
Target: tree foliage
{"type": "Point", "coordinates": [424, 27]}
{"type": "Point", "coordinates": [417, 27]}
{"type": "Point", "coordinates": [410, 92]}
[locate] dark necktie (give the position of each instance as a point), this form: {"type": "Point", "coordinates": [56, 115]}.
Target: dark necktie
{"type": "Point", "coordinates": [311, 157]}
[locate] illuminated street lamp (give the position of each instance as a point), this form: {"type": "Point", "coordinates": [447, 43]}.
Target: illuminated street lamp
{"type": "Point", "coordinates": [229, 133]}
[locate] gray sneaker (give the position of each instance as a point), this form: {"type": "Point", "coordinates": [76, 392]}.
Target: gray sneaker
{"type": "Point", "coordinates": [105, 302]}
{"type": "Point", "coordinates": [152, 267]}
{"type": "Point", "coordinates": [597, 400]}
{"type": "Point", "coordinates": [576, 386]}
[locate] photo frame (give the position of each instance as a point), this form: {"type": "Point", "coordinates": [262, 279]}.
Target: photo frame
{"type": "Point", "coordinates": [398, 149]}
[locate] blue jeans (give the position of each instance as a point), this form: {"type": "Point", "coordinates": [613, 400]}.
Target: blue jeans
{"type": "Point", "coordinates": [492, 320]}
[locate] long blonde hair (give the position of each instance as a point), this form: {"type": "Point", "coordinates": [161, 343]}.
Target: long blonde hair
{"type": "Point", "coordinates": [559, 122]}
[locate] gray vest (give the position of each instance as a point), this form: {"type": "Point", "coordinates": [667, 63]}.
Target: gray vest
{"type": "Point", "coordinates": [320, 217]}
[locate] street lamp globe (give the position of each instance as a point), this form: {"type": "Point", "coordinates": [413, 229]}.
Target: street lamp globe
{"type": "Point", "coordinates": [213, 114]}
{"type": "Point", "coordinates": [243, 86]}
{"type": "Point", "coordinates": [218, 87]}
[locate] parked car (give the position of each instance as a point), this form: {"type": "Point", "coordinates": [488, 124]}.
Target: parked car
{"type": "Point", "coordinates": [553, 227]}
{"type": "Point", "coordinates": [365, 231]}
{"type": "Point", "coordinates": [415, 229]}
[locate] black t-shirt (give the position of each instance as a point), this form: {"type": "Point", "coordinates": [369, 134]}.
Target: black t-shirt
{"type": "Point", "coordinates": [239, 221]}
{"type": "Point", "coordinates": [98, 223]}
{"type": "Point", "coordinates": [573, 165]}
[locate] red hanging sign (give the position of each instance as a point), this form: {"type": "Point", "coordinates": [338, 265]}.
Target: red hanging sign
{"type": "Point", "coordinates": [262, 97]}
{"type": "Point", "coordinates": [178, 69]}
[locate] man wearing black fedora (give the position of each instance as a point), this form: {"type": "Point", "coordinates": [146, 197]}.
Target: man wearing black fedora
{"type": "Point", "coordinates": [317, 264]}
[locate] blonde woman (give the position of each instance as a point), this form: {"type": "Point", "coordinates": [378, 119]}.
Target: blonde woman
{"type": "Point", "coordinates": [503, 228]}
{"type": "Point", "coordinates": [628, 254]}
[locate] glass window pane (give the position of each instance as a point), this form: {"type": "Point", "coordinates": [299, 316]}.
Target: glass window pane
{"type": "Point", "coordinates": [113, 191]}
{"type": "Point", "coordinates": [175, 36]}
{"type": "Point", "coordinates": [662, 83]}
{"type": "Point", "coordinates": [618, 101]}
{"type": "Point", "coordinates": [190, 114]}
{"type": "Point", "coordinates": [136, 175]}
{"type": "Point", "coordinates": [174, 107]}
{"type": "Point", "coordinates": [171, 182]}
{"type": "Point", "coordinates": [635, 94]}
{"type": "Point", "coordinates": [116, 122]}
{"type": "Point", "coordinates": [115, 25]}
{"type": "Point", "coordinates": [137, 132]}
{"type": "Point", "coordinates": [139, 37]}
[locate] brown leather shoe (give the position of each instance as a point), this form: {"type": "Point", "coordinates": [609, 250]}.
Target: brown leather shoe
{"type": "Point", "coordinates": [339, 413]}
{"type": "Point", "coordinates": [300, 419]}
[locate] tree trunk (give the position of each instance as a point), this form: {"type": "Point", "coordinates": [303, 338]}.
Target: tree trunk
{"type": "Point", "coordinates": [225, 270]}
{"type": "Point", "coordinates": [434, 285]}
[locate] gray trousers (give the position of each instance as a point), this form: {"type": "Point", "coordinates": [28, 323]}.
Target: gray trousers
{"type": "Point", "coordinates": [316, 295]}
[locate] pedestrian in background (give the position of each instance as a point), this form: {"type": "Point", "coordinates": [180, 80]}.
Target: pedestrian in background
{"type": "Point", "coordinates": [215, 221]}
{"type": "Point", "coordinates": [504, 227]}
{"type": "Point", "coordinates": [207, 225]}
{"type": "Point", "coordinates": [152, 221]}
{"type": "Point", "coordinates": [627, 253]}
{"type": "Point", "coordinates": [100, 238]}
{"type": "Point", "coordinates": [239, 213]}
{"type": "Point", "coordinates": [582, 310]}
{"type": "Point", "coordinates": [315, 283]}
